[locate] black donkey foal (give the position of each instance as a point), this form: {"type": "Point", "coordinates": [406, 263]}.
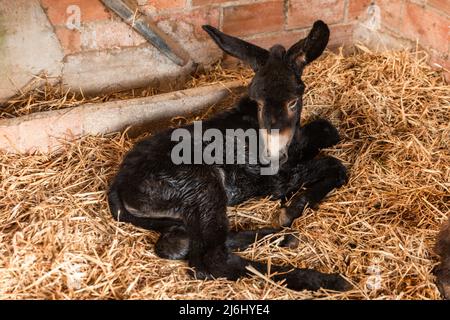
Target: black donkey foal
{"type": "Point", "coordinates": [187, 203]}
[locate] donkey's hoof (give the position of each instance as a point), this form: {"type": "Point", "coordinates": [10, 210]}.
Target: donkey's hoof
{"type": "Point", "coordinates": [292, 212]}
{"type": "Point", "coordinates": [283, 219]}
{"type": "Point", "coordinates": [289, 241]}
{"type": "Point", "coordinates": [338, 283]}
{"type": "Point", "coordinates": [199, 274]}
{"type": "Point", "coordinates": [444, 289]}
{"type": "Point", "coordinates": [335, 282]}
{"type": "Point", "coordinates": [443, 281]}
{"type": "Point", "coordinates": [313, 280]}
{"type": "Point", "coordinates": [342, 176]}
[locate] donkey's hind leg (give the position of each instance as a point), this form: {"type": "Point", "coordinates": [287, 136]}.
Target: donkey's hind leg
{"type": "Point", "coordinates": [209, 256]}
{"type": "Point", "coordinates": [174, 243]}
{"type": "Point", "coordinates": [319, 176]}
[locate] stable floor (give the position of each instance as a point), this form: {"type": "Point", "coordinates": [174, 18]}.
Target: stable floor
{"type": "Point", "coordinates": [57, 239]}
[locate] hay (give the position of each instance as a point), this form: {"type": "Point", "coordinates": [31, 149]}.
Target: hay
{"type": "Point", "coordinates": [45, 94]}
{"type": "Point", "coordinates": [218, 74]}
{"type": "Point", "coordinates": [57, 240]}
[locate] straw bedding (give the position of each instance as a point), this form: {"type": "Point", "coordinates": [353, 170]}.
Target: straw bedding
{"type": "Point", "coordinates": [58, 241]}
{"type": "Point", "coordinates": [43, 94]}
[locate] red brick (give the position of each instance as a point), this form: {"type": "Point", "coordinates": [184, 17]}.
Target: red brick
{"type": "Point", "coordinates": [69, 39]}
{"type": "Point", "coordinates": [430, 28]}
{"type": "Point", "coordinates": [196, 18]}
{"type": "Point", "coordinates": [302, 13]}
{"type": "Point", "coordinates": [421, 2]}
{"type": "Point", "coordinates": [91, 10]}
{"type": "Point", "coordinates": [391, 13]}
{"type": "Point", "coordinates": [340, 35]}
{"type": "Point", "coordinates": [285, 38]}
{"type": "Point", "coordinates": [207, 2]}
{"type": "Point", "coordinates": [253, 18]}
{"type": "Point", "coordinates": [442, 5]}
{"type": "Point", "coordinates": [357, 9]}
{"type": "Point", "coordinates": [167, 4]}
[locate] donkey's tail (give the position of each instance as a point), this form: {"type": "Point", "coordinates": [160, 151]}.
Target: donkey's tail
{"type": "Point", "coordinates": [116, 206]}
{"type": "Point", "coordinates": [120, 213]}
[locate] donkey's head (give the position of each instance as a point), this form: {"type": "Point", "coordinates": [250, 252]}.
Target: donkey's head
{"type": "Point", "coordinates": [277, 86]}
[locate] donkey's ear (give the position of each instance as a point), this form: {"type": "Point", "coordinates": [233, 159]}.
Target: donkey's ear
{"type": "Point", "coordinates": [245, 51]}
{"type": "Point", "coordinates": [310, 48]}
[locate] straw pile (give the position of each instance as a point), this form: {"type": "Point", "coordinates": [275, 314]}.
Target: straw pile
{"type": "Point", "coordinates": [43, 94]}
{"type": "Point", "coordinates": [58, 241]}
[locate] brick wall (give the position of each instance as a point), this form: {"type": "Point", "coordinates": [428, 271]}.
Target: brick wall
{"type": "Point", "coordinates": [100, 52]}
{"type": "Point", "coordinates": [422, 22]}
{"type": "Point", "coordinates": [263, 22]}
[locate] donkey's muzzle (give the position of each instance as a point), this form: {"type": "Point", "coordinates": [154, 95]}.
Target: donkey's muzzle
{"type": "Point", "coordinates": [276, 144]}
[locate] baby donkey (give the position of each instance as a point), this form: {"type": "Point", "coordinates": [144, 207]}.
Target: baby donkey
{"type": "Point", "coordinates": [187, 203]}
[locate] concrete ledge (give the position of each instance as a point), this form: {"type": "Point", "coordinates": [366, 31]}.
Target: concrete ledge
{"type": "Point", "coordinates": [45, 131]}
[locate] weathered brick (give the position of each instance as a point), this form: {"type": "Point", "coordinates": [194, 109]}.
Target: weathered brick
{"type": "Point", "coordinates": [391, 13]}
{"type": "Point", "coordinates": [421, 2]}
{"type": "Point", "coordinates": [130, 67]}
{"type": "Point", "coordinates": [167, 4]}
{"type": "Point", "coordinates": [194, 19]}
{"type": "Point", "coordinates": [285, 38]}
{"type": "Point", "coordinates": [302, 14]}
{"type": "Point", "coordinates": [340, 35]}
{"type": "Point", "coordinates": [91, 10]}
{"type": "Point", "coordinates": [357, 9]}
{"type": "Point", "coordinates": [207, 2]}
{"type": "Point", "coordinates": [442, 5]}
{"type": "Point", "coordinates": [109, 34]}
{"type": "Point", "coordinates": [253, 18]}
{"type": "Point", "coordinates": [429, 27]}
{"type": "Point", "coordinates": [69, 39]}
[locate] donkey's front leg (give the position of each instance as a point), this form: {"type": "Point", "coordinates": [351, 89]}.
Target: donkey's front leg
{"type": "Point", "coordinates": [319, 176]}
{"type": "Point", "coordinates": [310, 138]}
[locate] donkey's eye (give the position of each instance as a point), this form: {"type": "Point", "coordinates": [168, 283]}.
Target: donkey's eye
{"type": "Point", "coordinates": [291, 105]}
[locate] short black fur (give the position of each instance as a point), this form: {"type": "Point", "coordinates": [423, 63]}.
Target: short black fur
{"type": "Point", "coordinates": [188, 203]}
